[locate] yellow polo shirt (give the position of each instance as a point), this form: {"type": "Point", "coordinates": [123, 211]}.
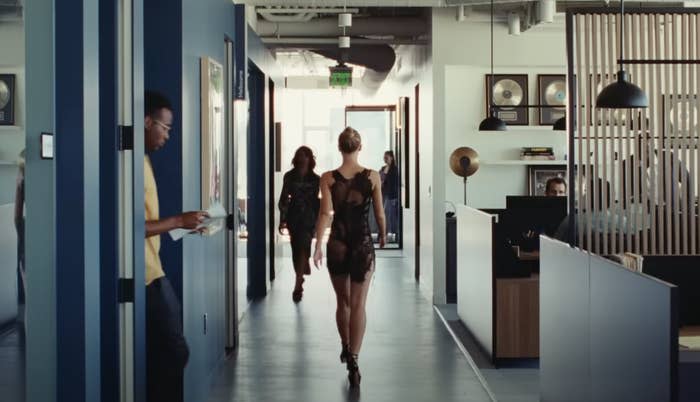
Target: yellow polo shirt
{"type": "Point", "coordinates": [154, 268]}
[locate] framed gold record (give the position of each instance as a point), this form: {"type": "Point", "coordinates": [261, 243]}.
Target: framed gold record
{"type": "Point", "coordinates": [509, 91]}
{"type": "Point", "coordinates": [551, 90]}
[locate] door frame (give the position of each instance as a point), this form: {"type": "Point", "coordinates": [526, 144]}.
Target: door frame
{"type": "Point", "coordinates": [399, 154]}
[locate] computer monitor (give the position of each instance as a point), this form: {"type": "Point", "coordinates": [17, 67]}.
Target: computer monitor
{"type": "Point", "coordinates": [535, 214]}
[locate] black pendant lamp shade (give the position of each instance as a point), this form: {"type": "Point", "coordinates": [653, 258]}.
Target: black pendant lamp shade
{"type": "Point", "coordinates": [622, 94]}
{"type": "Point", "coordinates": [560, 124]}
{"type": "Point", "coordinates": [492, 123]}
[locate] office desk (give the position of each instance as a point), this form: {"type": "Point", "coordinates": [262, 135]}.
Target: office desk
{"type": "Point", "coordinates": [518, 317]}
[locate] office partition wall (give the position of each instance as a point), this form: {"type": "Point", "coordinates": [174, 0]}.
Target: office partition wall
{"type": "Point", "coordinates": [634, 172]}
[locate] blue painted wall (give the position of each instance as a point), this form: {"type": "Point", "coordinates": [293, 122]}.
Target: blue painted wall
{"type": "Point", "coordinates": [205, 25]}
{"type": "Point", "coordinates": [186, 31]}
{"type": "Point", "coordinates": [77, 201]}
{"type": "Point", "coordinates": [40, 247]}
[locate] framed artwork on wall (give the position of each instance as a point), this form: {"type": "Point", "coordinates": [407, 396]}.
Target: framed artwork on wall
{"type": "Point", "coordinates": [551, 90]}
{"type": "Point", "coordinates": [509, 91]}
{"type": "Point", "coordinates": [7, 99]}
{"type": "Point", "coordinates": [537, 176]}
{"type": "Point", "coordinates": [212, 135]}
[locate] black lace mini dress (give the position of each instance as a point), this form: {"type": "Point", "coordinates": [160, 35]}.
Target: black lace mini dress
{"type": "Point", "coordinates": [350, 250]}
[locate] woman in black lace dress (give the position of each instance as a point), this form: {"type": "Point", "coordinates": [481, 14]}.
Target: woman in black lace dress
{"type": "Point", "coordinates": [299, 206]}
{"type": "Point", "coordinates": [346, 196]}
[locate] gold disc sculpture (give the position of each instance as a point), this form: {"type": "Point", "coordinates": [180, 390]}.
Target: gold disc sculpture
{"type": "Point", "coordinates": [464, 162]}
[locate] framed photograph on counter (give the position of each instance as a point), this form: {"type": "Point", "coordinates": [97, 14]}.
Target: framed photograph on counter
{"type": "Point", "coordinates": [509, 91]}
{"type": "Point", "coordinates": [537, 176]}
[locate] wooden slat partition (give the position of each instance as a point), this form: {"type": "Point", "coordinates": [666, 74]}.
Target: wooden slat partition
{"type": "Point", "coordinates": [637, 170]}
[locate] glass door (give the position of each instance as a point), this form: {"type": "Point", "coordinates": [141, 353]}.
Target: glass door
{"type": "Point", "coordinates": [381, 152]}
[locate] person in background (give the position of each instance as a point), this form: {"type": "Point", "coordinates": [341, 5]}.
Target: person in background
{"type": "Point", "coordinates": [166, 349]}
{"type": "Point", "coordinates": [347, 193]}
{"type": "Point", "coordinates": [299, 206]}
{"type": "Point", "coordinates": [19, 227]}
{"type": "Point", "coordinates": [389, 175]}
{"type": "Point", "coordinates": [555, 187]}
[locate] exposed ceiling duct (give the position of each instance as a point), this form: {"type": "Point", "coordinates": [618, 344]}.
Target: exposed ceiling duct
{"type": "Point", "coordinates": [405, 27]}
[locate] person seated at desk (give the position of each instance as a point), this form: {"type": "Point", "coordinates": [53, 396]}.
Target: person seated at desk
{"type": "Point", "coordinates": [555, 187]}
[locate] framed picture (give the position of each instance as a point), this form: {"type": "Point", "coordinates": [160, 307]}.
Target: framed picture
{"type": "Point", "coordinates": [7, 99]}
{"type": "Point", "coordinates": [212, 133]}
{"type": "Point", "coordinates": [537, 176]}
{"type": "Point", "coordinates": [509, 91]}
{"type": "Point", "coordinates": [551, 90]}
{"type": "Point", "coordinates": [680, 113]}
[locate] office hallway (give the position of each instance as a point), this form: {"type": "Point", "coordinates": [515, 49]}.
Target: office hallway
{"type": "Point", "coordinates": [290, 352]}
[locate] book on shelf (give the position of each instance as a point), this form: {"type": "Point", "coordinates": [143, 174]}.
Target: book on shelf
{"type": "Point", "coordinates": [537, 150]}
{"type": "Point", "coordinates": [537, 157]}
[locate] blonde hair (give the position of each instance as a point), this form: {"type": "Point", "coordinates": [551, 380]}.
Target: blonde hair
{"type": "Point", "coordinates": [349, 141]}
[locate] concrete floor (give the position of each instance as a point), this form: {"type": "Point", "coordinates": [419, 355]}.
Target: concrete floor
{"type": "Point", "coordinates": [12, 364]}
{"type": "Point", "coordinates": [290, 352]}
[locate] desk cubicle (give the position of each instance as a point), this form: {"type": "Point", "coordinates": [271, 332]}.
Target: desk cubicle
{"type": "Point", "coordinates": [502, 314]}
{"type": "Point", "coordinates": [606, 333]}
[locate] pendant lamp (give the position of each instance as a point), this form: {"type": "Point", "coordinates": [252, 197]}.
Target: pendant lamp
{"type": "Point", "coordinates": [622, 94]}
{"type": "Point", "coordinates": [560, 124]}
{"type": "Point", "coordinates": [492, 123]}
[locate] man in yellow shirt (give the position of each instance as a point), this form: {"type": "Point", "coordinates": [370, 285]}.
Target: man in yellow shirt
{"type": "Point", "coordinates": [167, 350]}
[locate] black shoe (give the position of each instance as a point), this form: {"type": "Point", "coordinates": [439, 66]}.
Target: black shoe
{"type": "Point", "coordinates": [353, 371]}
{"type": "Point", "coordinates": [345, 353]}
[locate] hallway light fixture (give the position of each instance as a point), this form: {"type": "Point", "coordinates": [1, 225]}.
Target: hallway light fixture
{"type": "Point", "coordinates": [513, 23]}
{"type": "Point", "coordinates": [492, 123]}
{"type": "Point", "coordinates": [546, 10]}
{"type": "Point", "coordinates": [622, 94]}
{"type": "Point", "coordinates": [344, 20]}
{"type": "Point", "coordinates": [560, 124]}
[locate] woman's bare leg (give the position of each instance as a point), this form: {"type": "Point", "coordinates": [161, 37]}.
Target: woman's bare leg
{"type": "Point", "coordinates": [358, 314]}
{"type": "Point", "coordinates": [341, 285]}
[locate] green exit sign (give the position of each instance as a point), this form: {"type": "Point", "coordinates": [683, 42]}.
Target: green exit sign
{"type": "Point", "coordinates": [341, 76]}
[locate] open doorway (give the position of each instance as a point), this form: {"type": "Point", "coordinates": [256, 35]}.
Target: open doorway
{"type": "Point", "coordinates": [382, 151]}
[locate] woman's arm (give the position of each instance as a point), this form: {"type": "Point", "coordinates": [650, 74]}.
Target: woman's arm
{"type": "Point", "coordinates": [324, 216]}
{"type": "Point", "coordinates": [285, 197]}
{"type": "Point", "coordinates": [378, 206]}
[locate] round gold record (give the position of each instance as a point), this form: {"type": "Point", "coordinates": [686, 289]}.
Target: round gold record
{"type": "Point", "coordinates": [4, 94]}
{"type": "Point", "coordinates": [471, 160]}
{"type": "Point", "coordinates": [555, 93]}
{"type": "Point", "coordinates": [683, 114]}
{"type": "Point", "coordinates": [507, 92]}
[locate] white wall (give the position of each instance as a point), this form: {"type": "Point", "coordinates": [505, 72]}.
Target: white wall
{"type": "Point", "coordinates": [12, 137]}
{"type": "Point", "coordinates": [461, 58]}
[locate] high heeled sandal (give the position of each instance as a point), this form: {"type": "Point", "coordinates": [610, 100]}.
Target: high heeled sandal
{"type": "Point", "coordinates": [353, 371]}
{"type": "Point", "coordinates": [345, 353]}
{"type": "Point", "coordinates": [298, 292]}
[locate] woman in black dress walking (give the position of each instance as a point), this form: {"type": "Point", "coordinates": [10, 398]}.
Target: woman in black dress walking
{"type": "Point", "coordinates": [346, 196]}
{"type": "Point", "coordinates": [299, 206]}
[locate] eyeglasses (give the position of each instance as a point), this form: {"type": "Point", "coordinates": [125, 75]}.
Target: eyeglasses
{"type": "Point", "coordinates": [165, 126]}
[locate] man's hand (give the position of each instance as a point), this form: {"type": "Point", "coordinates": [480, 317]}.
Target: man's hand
{"type": "Point", "coordinates": [283, 228]}
{"type": "Point", "coordinates": [191, 220]}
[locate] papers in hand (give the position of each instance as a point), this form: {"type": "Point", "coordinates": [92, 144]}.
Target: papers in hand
{"type": "Point", "coordinates": [211, 225]}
